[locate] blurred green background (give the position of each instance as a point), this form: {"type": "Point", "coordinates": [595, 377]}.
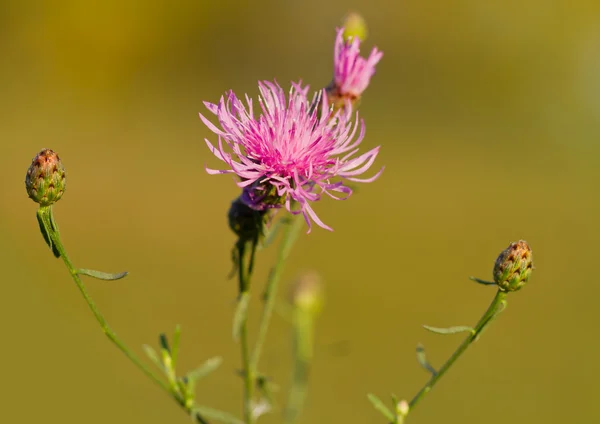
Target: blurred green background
{"type": "Point", "coordinates": [488, 113]}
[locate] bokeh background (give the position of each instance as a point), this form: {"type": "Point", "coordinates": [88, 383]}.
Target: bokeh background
{"type": "Point", "coordinates": [488, 113]}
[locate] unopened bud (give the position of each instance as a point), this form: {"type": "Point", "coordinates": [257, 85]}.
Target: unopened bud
{"type": "Point", "coordinates": [513, 266]}
{"type": "Point", "coordinates": [46, 178]}
{"type": "Point", "coordinates": [355, 26]}
{"type": "Point", "coordinates": [307, 293]}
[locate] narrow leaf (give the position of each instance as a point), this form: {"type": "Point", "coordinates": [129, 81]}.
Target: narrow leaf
{"type": "Point", "coordinates": [175, 347]}
{"type": "Point", "coordinates": [380, 406]}
{"type": "Point", "coordinates": [101, 275]}
{"type": "Point", "coordinates": [449, 330]}
{"type": "Point", "coordinates": [206, 368]}
{"type": "Point", "coordinates": [45, 229]}
{"type": "Point", "coordinates": [422, 359]}
{"type": "Point", "coordinates": [239, 316]}
{"type": "Point", "coordinates": [215, 414]}
{"type": "Point", "coordinates": [151, 353]}
{"type": "Point", "coordinates": [485, 283]}
{"type": "Point", "coordinates": [163, 342]}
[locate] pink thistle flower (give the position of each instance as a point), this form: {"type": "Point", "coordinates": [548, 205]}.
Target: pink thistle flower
{"type": "Point", "coordinates": [351, 72]}
{"type": "Point", "coordinates": [292, 152]}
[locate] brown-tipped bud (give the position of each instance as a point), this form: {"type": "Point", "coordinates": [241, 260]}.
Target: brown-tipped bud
{"type": "Point", "coordinates": [307, 293]}
{"type": "Point", "coordinates": [46, 178]}
{"type": "Point", "coordinates": [513, 267]}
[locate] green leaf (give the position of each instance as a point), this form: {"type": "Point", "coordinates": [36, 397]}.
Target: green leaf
{"type": "Point", "coordinates": [151, 353]}
{"type": "Point", "coordinates": [175, 347]}
{"type": "Point", "coordinates": [380, 406]}
{"type": "Point", "coordinates": [101, 275]}
{"type": "Point", "coordinates": [485, 283]}
{"type": "Point", "coordinates": [164, 343]}
{"type": "Point", "coordinates": [239, 316]}
{"type": "Point", "coordinates": [215, 414]}
{"type": "Point", "coordinates": [449, 330]}
{"type": "Point", "coordinates": [422, 359]}
{"type": "Point", "coordinates": [45, 228]}
{"type": "Point", "coordinates": [206, 368]}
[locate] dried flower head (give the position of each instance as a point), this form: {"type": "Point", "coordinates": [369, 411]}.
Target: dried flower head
{"type": "Point", "coordinates": [351, 72]}
{"type": "Point", "coordinates": [513, 266]}
{"type": "Point", "coordinates": [46, 178]}
{"type": "Point", "coordinates": [291, 153]}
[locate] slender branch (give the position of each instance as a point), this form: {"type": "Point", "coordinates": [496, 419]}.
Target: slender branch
{"type": "Point", "coordinates": [47, 216]}
{"type": "Point", "coordinates": [289, 237]}
{"type": "Point", "coordinates": [495, 307]}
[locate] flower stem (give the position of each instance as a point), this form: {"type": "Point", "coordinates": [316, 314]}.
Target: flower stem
{"type": "Point", "coordinates": [248, 374]}
{"type": "Point", "coordinates": [289, 237]}
{"type": "Point", "coordinates": [46, 216]}
{"type": "Point", "coordinates": [497, 305]}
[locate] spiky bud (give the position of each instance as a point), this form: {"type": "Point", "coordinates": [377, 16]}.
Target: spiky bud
{"type": "Point", "coordinates": [513, 266]}
{"type": "Point", "coordinates": [46, 178]}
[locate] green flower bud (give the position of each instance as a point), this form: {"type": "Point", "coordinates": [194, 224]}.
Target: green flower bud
{"type": "Point", "coordinates": [355, 26]}
{"type": "Point", "coordinates": [513, 267]}
{"type": "Point", "coordinates": [307, 293]}
{"type": "Point", "coordinates": [46, 178]}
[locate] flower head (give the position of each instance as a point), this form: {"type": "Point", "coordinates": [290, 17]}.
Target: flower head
{"type": "Point", "coordinates": [351, 72]}
{"type": "Point", "coordinates": [513, 266]}
{"type": "Point", "coordinates": [292, 152]}
{"type": "Point", "coordinates": [46, 178]}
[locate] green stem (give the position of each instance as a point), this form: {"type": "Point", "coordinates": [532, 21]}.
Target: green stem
{"type": "Point", "coordinates": [289, 237]}
{"type": "Point", "coordinates": [244, 284]}
{"type": "Point", "coordinates": [495, 307]}
{"type": "Point", "coordinates": [46, 215]}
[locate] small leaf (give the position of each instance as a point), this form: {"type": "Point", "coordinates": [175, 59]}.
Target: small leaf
{"type": "Point", "coordinates": [163, 342]}
{"type": "Point", "coordinates": [449, 330]}
{"type": "Point", "coordinates": [101, 275]}
{"type": "Point", "coordinates": [239, 316]}
{"type": "Point", "coordinates": [380, 406]}
{"type": "Point", "coordinates": [206, 368]}
{"type": "Point", "coordinates": [151, 353]}
{"type": "Point", "coordinates": [175, 347]}
{"type": "Point", "coordinates": [485, 283]}
{"type": "Point", "coordinates": [422, 359]}
{"type": "Point", "coordinates": [45, 228]}
{"type": "Point", "coordinates": [215, 414]}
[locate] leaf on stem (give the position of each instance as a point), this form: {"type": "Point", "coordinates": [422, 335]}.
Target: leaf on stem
{"type": "Point", "coordinates": [380, 406]}
{"type": "Point", "coordinates": [151, 353]}
{"type": "Point", "coordinates": [449, 330]}
{"type": "Point", "coordinates": [215, 414]}
{"type": "Point", "coordinates": [101, 275]}
{"type": "Point", "coordinates": [164, 343]}
{"type": "Point", "coordinates": [422, 359]}
{"type": "Point", "coordinates": [206, 368]}
{"type": "Point", "coordinates": [45, 229]}
{"type": "Point", "coordinates": [483, 282]}
{"type": "Point", "coordinates": [175, 347]}
{"type": "Point", "coordinates": [239, 316]}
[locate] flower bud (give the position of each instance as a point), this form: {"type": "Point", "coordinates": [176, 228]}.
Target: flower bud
{"type": "Point", "coordinates": [46, 178]}
{"type": "Point", "coordinates": [247, 223]}
{"type": "Point", "coordinates": [513, 266]}
{"type": "Point", "coordinates": [355, 26]}
{"type": "Point", "coordinates": [307, 293]}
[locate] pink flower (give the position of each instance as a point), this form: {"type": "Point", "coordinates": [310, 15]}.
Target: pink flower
{"type": "Point", "coordinates": [351, 72]}
{"type": "Point", "coordinates": [293, 152]}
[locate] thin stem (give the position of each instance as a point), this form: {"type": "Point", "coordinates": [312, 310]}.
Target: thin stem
{"type": "Point", "coordinates": [47, 216]}
{"type": "Point", "coordinates": [289, 237]}
{"type": "Point", "coordinates": [244, 284]}
{"type": "Point", "coordinates": [495, 307]}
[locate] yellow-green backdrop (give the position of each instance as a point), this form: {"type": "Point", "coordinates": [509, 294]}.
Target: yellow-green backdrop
{"type": "Point", "coordinates": [488, 113]}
